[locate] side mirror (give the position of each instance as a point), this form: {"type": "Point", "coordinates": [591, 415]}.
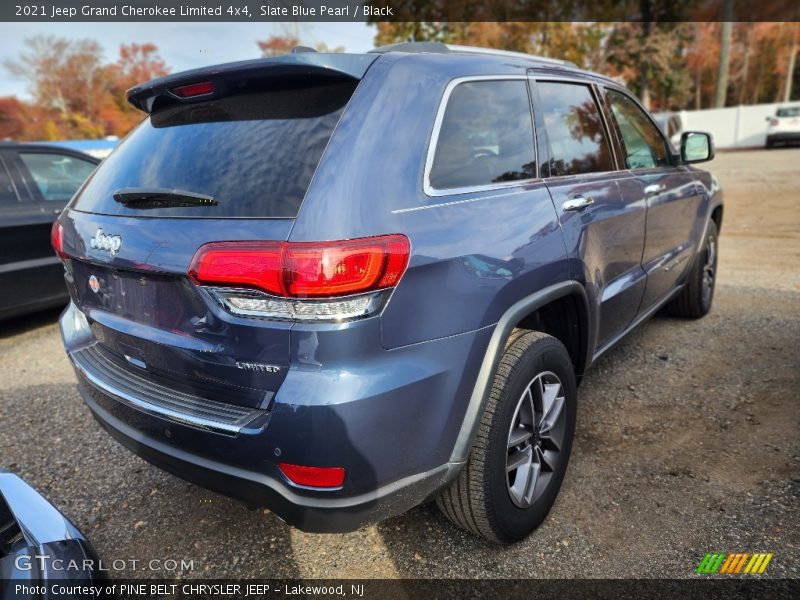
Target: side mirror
{"type": "Point", "coordinates": [696, 146]}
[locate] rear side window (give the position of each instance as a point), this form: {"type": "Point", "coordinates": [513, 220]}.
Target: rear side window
{"type": "Point", "coordinates": [254, 154]}
{"type": "Point", "coordinates": [574, 128]}
{"type": "Point", "coordinates": [7, 193]}
{"type": "Point", "coordinates": [486, 136]}
{"type": "Point", "coordinates": [643, 144]}
{"type": "Point", "coordinates": [58, 176]}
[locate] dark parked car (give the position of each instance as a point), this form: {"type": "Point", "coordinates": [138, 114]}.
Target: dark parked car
{"type": "Point", "coordinates": [36, 182]}
{"type": "Point", "coordinates": [342, 285]}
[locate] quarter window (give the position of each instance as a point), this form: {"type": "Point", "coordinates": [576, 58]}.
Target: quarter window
{"type": "Point", "coordinates": [486, 136]}
{"type": "Point", "coordinates": [58, 176]}
{"type": "Point", "coordinates": [575, 129]}
{"type": "Point", "coordinates": [643, 145]}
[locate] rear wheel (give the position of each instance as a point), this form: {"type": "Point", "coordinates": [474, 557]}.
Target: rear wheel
{"type": "Point", "coordinates": [695, 299]}
{"type": "Point", "coordinates": [523, 445]}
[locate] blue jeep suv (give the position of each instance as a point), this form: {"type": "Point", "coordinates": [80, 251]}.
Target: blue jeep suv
{"type": "Point", "coordinates": [339, 286]}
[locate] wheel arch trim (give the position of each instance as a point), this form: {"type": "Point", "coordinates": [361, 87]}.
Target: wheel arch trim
{"type": "Point", "coordinates": [497, 343]}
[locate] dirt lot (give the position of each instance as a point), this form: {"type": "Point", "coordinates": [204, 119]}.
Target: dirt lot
{"type": "Point", "coordinates": [687, 443]}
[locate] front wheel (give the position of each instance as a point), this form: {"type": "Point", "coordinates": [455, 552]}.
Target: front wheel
{"type": "Point", "coordinates": [521, 452]}
{"type": "Point", "coordinates": [694, 301]}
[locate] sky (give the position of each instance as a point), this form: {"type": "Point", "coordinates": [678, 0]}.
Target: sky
{"type": "Point", "coordinates": [182, 45]}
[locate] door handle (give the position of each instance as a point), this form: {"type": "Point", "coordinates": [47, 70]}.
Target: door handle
{"type": "Point", "coordinates": [577, 203]}
{"type": "Point", "coordinates": [654, 188]}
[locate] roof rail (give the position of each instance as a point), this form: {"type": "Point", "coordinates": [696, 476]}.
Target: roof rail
{"type": "Point", "coordinates": [440, 48]}
{"type": "Point", "coordinates": [510, 53]}
{"type": "Point", "coordinates": [436, 47]}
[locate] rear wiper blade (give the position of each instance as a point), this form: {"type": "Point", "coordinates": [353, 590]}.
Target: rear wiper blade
{"type": "Point", "coordinates": [161, 198]}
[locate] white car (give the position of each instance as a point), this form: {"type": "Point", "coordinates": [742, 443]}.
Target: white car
{"type": "Point", "coordinates": [672, 126]}
{"type": "Point", "coordinates": [784, 127]}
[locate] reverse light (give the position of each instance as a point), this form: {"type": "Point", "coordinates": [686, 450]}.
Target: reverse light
{"type": "Point", "coordinates": [57, 239]}
{"type": "Point", "coordinates": [194, 89]}
{"type": "Point", "coordinates": [318, 477]}
{"type": "Point", "coordinates": [253, 303]}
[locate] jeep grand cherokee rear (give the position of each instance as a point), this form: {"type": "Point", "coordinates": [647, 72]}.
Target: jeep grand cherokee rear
{"type": "Point", "coordinates": [340, 285]}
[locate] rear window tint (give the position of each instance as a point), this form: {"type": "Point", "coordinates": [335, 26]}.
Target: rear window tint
{"type": "Point", "coordinates": [254, 154]}
{"type": "Point", "coordinates": [486, 136]}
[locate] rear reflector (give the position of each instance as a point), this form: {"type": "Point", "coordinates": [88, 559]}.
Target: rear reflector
{"type": "Point", "coordinates": [319, 477]}
{"type": "Point", "coordinates": [194, 89]}
{"type": "Point", "coordinates": [304, 269]}
{"type": "Point", "coordinates": [57, 239]}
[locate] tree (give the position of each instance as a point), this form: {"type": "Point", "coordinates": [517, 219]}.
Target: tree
{"type": "Point", "coordinates": [651, 58]}
{"type": "Point", "coordinates": [275, 45]}
{"type": "Point", "coordinates": [724, 54]}
{"type": "Point", "coordinates": [76, 94]}
{"type": "Point", "coordinates": [323, 47]}
{"type": "Point", "coordinates": [578, 42]}
{"type": "Point", "coordinates": [701, 61]}
{"type": "Point", "coordinates": [136, 64]}
{"type": "Point", "coordinates": [65, 75]}
{"type": "Point", "coordinates": [12, 118]}
{"type": "Point", "coordinates": [793, 48]}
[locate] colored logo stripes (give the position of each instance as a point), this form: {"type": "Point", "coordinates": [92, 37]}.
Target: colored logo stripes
{"type": "Point", "coordinates": [734, 563]}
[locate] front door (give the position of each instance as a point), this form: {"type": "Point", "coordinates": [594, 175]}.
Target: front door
{"type": "Point", "coordinates": [673, 199]}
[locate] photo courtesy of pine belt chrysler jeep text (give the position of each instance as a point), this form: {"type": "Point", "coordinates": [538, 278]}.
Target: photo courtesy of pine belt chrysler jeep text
{"type": "Point", "coordinates": [342, 285]}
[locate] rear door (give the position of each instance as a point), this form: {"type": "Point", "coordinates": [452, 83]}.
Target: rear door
{"type": "Point", "coordinates": [603, 227]}
{"type": "Point", "coordinates": [673, 199]}
{"type": "Point", "coordinates": [253, 154]}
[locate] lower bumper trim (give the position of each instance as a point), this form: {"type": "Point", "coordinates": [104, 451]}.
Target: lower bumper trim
{"type": "Point", "coordinates": [308, 513]}
{"type": "Point", "coordinates": [149, 397]}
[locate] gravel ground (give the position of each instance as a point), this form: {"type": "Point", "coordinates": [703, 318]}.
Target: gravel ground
{"type": "Point", "coordinates": [687, 442]}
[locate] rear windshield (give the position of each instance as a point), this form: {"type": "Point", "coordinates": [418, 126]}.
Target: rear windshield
{"type": "Point", "coordinates": [254, 154]}
{"type": "Point", "coordinates": [792, 111]}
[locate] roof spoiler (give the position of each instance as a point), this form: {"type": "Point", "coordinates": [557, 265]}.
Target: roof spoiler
{"type": "Point", "coordinates": [217, 81]}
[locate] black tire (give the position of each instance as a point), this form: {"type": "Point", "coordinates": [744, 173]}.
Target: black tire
{"type": "Point", "coordinates": [694, 301]}
{"type": "Point", "coordinates": [480, 500]}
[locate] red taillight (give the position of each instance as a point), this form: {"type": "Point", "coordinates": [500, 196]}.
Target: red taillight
{"type": "Point", "coordinates": [304, 269]}
{"type": "Point", "coordinates": [774, 122]}
{"type": "Point", "coordinates": [57, 239]}
{"type": "Point", "coordinates": [321, 477]}
{"type": "Point", "coordinates": [194, 89]}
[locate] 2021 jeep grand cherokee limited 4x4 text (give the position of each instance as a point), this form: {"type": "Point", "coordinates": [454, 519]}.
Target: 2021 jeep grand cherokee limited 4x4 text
{"type": "Point", "coordinates": [341, 285]}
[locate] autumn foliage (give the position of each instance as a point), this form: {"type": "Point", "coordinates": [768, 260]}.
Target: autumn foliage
{"type": "Point", "coordinates": [75, 94]}
{"type": "Point", "coordinates": [670, 65]}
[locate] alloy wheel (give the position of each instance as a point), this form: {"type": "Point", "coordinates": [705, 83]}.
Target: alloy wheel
{"type": "Point", "coordinates": [535, 439]}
